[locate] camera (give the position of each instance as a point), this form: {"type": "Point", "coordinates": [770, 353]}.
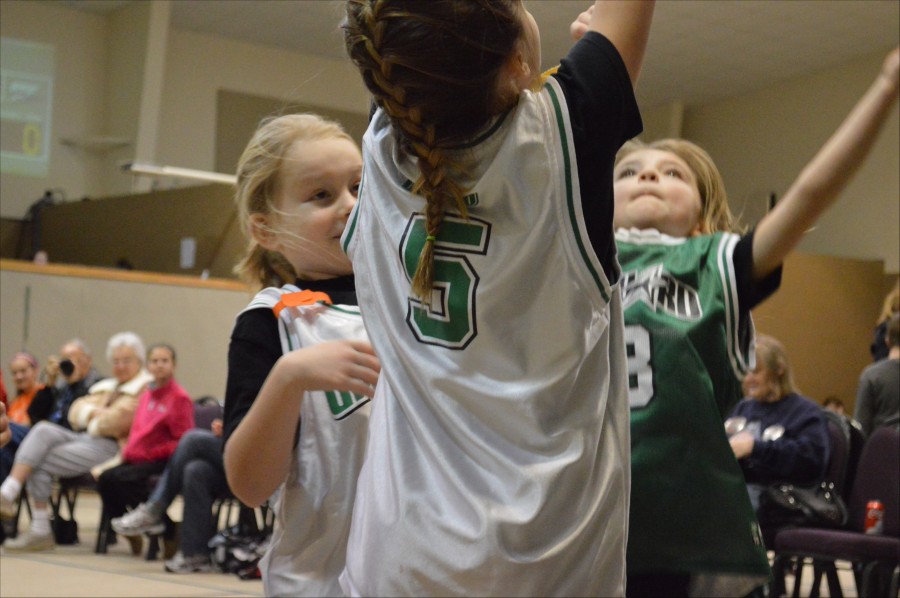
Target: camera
{"type": "Point", "coordinates": [66, 367]}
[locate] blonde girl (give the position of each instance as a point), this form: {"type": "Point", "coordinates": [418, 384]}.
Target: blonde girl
{"type": "Point", "coordinates": [688, 286]}
{"type": "Point", "coordinates": [300, 370]}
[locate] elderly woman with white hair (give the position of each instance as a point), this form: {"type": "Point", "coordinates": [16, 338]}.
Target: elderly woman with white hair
{"type": "Point", "coordinates": [99, 421]}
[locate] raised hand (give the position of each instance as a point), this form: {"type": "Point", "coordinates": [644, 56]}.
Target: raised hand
{"type": "Point", "coordinates": [580, 25]}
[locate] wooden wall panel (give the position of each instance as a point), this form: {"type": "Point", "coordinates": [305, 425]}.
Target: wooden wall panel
{"type": "Point", "coordinates": [824, 314]}
{"type": "Point", "coordinates": [41, 307]}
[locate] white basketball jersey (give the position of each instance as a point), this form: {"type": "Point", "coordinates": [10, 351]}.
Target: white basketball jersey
{"type": "Point", "coordinates": [312, 512]}
{"type": "Point", "coordinates": [498, 455]}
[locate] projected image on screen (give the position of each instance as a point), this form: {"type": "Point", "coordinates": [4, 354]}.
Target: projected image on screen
{"type": "Point", "coordinates": [26, 102]}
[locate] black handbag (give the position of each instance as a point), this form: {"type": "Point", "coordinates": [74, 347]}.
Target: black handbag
{"type": "Point", "coordinates": [65, 531]}
{"type": "Point", "coordinates": [786, 505]}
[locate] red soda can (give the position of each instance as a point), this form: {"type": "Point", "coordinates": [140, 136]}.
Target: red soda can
{"type": "Point", "coordinates": [874, 516]}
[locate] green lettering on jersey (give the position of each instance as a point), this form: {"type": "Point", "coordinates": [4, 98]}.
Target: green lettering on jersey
{"type": "Point", "coordinates": [450, 319]}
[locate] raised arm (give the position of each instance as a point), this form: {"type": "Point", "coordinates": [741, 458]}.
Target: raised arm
{"type": "Point", "coordinates": [822, 180]}
{"type": "Point", "coordinates": [626, 23]}
{"type": "Point", "coordinates": [258, 453]}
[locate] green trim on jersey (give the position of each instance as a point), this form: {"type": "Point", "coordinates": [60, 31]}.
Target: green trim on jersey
{"type": "Point", "coordinates": [570, 201]}
{"type": "Point", "coordinates": [354, 215]}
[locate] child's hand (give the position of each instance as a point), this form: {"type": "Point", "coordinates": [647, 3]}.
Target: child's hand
{"type": "Point", "coordinates": [580, 26]}
{"type": "Point", "coordinates": [337, 365]}
{"type": "Point", "coordinates": [891, 68]}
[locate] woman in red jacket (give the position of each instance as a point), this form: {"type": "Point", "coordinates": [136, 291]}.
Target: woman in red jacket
{"type": "Point", "coordinates": [164, 413]}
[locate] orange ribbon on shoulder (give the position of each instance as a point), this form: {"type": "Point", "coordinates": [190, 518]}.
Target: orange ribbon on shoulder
{"type": "Point", "coordinates": [299, 299]}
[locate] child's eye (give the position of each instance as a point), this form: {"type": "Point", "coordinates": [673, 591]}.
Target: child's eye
{"type": "Point", "coordinates": [321, 195]}
{"type": "Point", "coordinates": [354, 189]}
{"type": "Point", "coordinates": [674, 173]}
{"type": "Point", "coordinates": [626, 172]}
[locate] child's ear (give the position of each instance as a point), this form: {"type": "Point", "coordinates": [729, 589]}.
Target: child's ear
{"type": "Point", "coordinates": [261, 231]}
{"type": "Point", "coordinates": [518, 70]}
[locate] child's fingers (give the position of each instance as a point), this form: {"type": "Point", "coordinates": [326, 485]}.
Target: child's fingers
{"type": "Point", "coordinates": [362, 381]}
{"type": "Point", "coordinates": [362, 346]}
{"type": "Point", "coordinates": [366, 356]}
{"type": "Point", "coordinates": [580, 26]}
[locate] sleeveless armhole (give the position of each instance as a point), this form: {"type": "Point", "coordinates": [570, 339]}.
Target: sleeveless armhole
{"type": "Point", "coordinates": [573, 206]}
{"type": "Point", "coordinates": [740, 337]}
{"type": "Point", "coordinates": [348, 239]}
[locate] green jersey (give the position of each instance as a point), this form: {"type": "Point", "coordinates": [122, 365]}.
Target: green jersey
{"type": "Point", "coordinates": [688, 344]}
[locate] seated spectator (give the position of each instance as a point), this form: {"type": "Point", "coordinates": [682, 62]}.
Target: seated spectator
{"type": "Point", "coordinates": [98, 421]}
{"type": "Point", "coordinates": [2, 391]}
{"type": "Point", "coordinates": [78, 375]}
{"type": "Point", "coordinates": [4, 423]}
{"type": "Point", "coordinates": [196, 471]}
{"type": "Point", "coordinates": [834, 404]}
{"type": "Point", "coordinates": [25, 371]}
{"type": "Point", "coordinates": [878, 393]}
{"type": "Point", "coordinates": [785, 436]}
{"type": "Point", "coordinates": [880, 347]}
{"type": "Point", "coordinates": [164, 413]}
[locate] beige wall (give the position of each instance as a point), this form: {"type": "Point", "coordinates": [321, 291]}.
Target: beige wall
{"type": "Point", "coordinates": [199, 66]}
{"type": "Point", "coordinates": [44, 307]}
{"type": "Point", "coordinates": [79, 103]}
{"type": "Point", "coordinates": [99, 69]}
{"type": "Point", "coordinates": [825, 313]}
{"type": "Point", "coordinates": [760, 140]}
{"type": "Point", "coordinates": [763, 140]}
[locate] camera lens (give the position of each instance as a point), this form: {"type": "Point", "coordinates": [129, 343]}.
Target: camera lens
{"type": "Point", "coordinates": [66, 367]}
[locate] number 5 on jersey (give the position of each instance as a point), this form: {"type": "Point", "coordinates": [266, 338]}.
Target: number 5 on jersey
{"type": "Point", "coordinates": [450, 319]}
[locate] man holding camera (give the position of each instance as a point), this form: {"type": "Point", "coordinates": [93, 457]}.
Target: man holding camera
{"type": "Point", "coordinates": [68, 377]}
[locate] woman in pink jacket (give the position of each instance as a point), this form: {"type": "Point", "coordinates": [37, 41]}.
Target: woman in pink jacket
{"type": "Point", "coordinates": [164, 413]}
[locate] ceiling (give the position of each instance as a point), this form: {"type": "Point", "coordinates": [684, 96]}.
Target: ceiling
{"type": "Point", "coordinates": [699, 50]}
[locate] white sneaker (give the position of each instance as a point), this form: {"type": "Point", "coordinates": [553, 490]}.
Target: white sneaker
{"type": "Point", "coordinates": [198, 563]}
{"type": "Point", "coordinates": [138, 521]}
{"type": "Point", "coordinates": [30, 542]}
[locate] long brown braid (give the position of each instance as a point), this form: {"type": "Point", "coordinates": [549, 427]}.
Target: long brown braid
{"type": "Point", "coordinates": [433, 66]}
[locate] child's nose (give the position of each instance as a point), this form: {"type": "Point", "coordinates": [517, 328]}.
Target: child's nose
{"type": "Point", "coordinates": [648, 175]}
{"type": "Point", "coordinates": [348, 200]}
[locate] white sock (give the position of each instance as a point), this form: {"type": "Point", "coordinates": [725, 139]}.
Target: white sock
{"type": "Point", "coordinates": [10, 489]}
{"type": "Point", "coordinates": [40, 522]}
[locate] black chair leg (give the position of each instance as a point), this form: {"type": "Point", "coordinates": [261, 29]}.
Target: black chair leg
{"type": "Point", "coordinates": [153, 549]}
{"type": "Point", "coordinates": [778, 571]}
{"type": "Point", "coordinates": [11, 526]}
{"type": "Point", "coordinates": [817, 580]}
{"type": "Point", "coordinates": [894, 590]}
{"type": "Point", "coordinates": [103, 532]}
{"type": "Point", "coordinates": [798, 577]}
{"type": "Point", "coordinates": [834, 584]}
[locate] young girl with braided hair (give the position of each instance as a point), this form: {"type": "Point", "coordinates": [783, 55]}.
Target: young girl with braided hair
{"type": "Point", "coordinates": [300, 368]}
{"type": "Point", "coordinates": [497, 461]}
{"type": "Point", "coordinates": [688, 286]}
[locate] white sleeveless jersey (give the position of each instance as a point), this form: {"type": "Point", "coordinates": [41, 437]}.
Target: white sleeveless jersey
{"type": "Point", "coordinates": [498, 455]}
{"type": "Point", "coordinates": [314, 504]}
